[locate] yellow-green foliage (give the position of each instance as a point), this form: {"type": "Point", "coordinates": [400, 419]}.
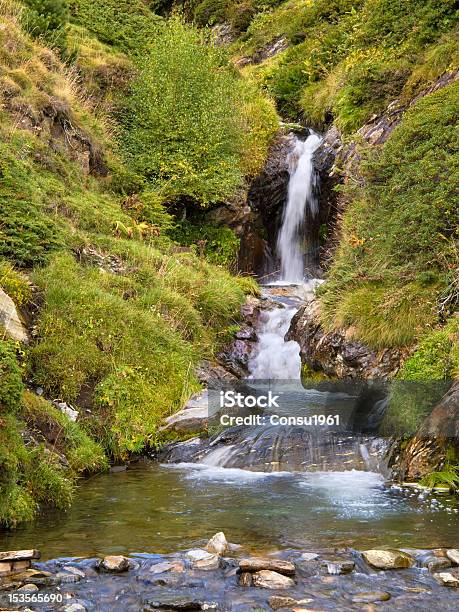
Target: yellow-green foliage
{"type": "Point", "coordinates": [193, 128]}
{"type": "Point", "coordinates": [29, 476]}
{"type": "Point", "coordinates": [135, 340]}
{"type": "Point", "coordinates": [398, 257]}
{"type": "Point", "coordinates": [14, 284]}
{"type": "Point", "coordinates": [105, 72]}
{"type": "Point", "coordinates": [347, 59]}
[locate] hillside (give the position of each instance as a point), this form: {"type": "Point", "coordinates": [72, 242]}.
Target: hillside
{"type": "Point", "coordinates": [119, 315]}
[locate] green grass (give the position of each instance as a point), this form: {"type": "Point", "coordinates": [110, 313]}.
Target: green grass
{"type": "Point", "coordinates": [348, 59]}
{"type": "Point", "coordinates": [397, 253]}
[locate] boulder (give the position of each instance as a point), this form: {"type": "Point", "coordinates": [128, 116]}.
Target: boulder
{"type": "Point", "coordinates": [202, 559]}
{"type": "Point", "coordinates": [20, 555]}
{"type": "Point", "coordinates": [267, 579]}
{"type": "Point", "coordinates": [257, 564]}
{"type": "Point", "coordinates": [388, 559]}
{"type": "Point", "coordinates": [193, 417]}
{"type": "Point", "coordinates": [217, 544]}
{"type": "Point", "coordinates": [336, 353]}
{"type": "Point", "coordinates": [245, 579]}
{"type": "Point", "coordinates": [115, 564]}
{"type": "Point", "coordinates": [10, 321]}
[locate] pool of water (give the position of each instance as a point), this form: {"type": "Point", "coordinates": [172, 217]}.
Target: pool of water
{"type": "Point", "coordinates": [153, 508]}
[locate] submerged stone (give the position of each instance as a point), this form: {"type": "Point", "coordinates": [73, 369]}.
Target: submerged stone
{"type": "Point", "coordinates": [371, 596]}
{"type": "Point", "coordinates": [179, 603]}
{"type": "Point", "coordinates": [276, 602]}
{"type": "Point", "coordinates": [388, 559]}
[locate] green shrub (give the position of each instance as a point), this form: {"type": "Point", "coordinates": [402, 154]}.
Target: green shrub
{"type": "Point", "coordinates": [47, 19]}
{"type": "Point", "coordinates": [220, 245]}
{"type": "Point", "coordinates": [182, 125]}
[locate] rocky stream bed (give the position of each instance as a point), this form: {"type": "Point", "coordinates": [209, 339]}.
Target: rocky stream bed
{"type": "Point", "coordinates": [219, 576]}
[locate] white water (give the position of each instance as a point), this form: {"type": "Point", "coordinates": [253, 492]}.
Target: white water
{"type": "Point", "coordinates": [275, 358]}
{"type": "Point", "coordinates": [301, 194]}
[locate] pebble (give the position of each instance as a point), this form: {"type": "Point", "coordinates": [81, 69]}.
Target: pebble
{"type": "Point", "coordinates": [28, 588]}
{"type": "Point", "coordinates": [371, 597]}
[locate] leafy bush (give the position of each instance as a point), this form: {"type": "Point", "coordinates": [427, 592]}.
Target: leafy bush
{"type": "Point", "coordinates": [182, 125]}
{"type": "Point", "coordinates": [220, 245]}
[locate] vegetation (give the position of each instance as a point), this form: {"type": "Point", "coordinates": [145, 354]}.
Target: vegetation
{"type": "Point", "coordinates": [348, 59]}
{"type": "Point", "coordinates": [397, 255]}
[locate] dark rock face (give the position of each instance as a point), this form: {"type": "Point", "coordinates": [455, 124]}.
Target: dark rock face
{"type": "Point", "coordinates": [425, 452]}
{"type": "Point", "coordinates": [336, 355]}
{"type": "Point", "coordinates": [266, 199]}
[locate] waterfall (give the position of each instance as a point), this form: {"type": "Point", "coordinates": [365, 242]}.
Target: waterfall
{"type": "Point", "coordinates": [301, 194]}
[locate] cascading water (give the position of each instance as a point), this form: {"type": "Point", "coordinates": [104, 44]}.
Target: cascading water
{"type": "Point", "coordinates": [275, 362]}
{"type": "Point", "coordinates": [301, 194]}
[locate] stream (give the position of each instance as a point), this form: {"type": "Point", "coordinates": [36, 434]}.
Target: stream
{"type": "Point", "coordinates": [272, 490]}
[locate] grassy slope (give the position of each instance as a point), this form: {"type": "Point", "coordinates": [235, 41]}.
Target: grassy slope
{"type": "Point", "coordinates": [393, 278]}
{"type": "Point", "coordinates": [124, 316]}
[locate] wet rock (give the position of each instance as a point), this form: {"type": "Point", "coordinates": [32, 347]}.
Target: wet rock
{"type": "Point", "coordinates": [217, 544]}
{"type": "Point", "coordinates": [28, 588]}
{"type": "Point", "coordinates": [166, 566]}
{"type": "Point", "coordinates": [245, 579]}
{"type": "Point", "coordinates": [235, 356]}
{"type": "Point", "coordinates": [433, 563]}
{"type": "Point", "coordinates": [449, 579]}
{"type": "Point", "coordinates": [276, 602]}
{"type": "Point", "coordinates": [115, 564]}
{"type": "Point", "coordinates": [257, 564]}
{"type": "Point", "coordinates": [388, 559]}
{"type": "Point", "coordinates": [67, 578]}
{"type": "Point", "coordinates": [74, 570]}
{"type": "Point", "coordinates": [10, 321]}
{"type": "Point", "coordinates": [371, 597]}
{"type": "Point", "coordinates": [338, 566]}
{"type": "Point", "coordinates": [335, 353]}
{"type": "Point", "coordinates": [267, 579]}
{"type": "Point", "coordinates": [74, 607]}
{"type": "Point", "coordinates": [425, 452]}
{"type": "Point", "coordinates": [202, 559]}
{"type": "Point", "coordinates": [178, 602]}
{"type": "Point", "coordinates": [193, 417]}
{"type": "Point", "coordinates": [309, 556]}
{"type": "Point", "coordinates": [213, 373]}
{"type": "Point", "coordinates": [453, 555]}
{"type": "Point", "coordinates": [183, 452]}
